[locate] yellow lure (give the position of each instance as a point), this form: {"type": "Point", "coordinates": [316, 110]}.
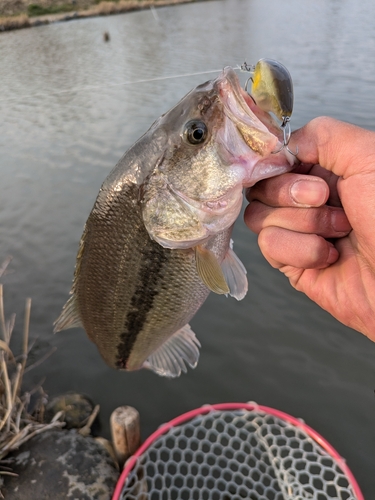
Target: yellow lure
{"type": "Point", "coordinates": [272, 88]}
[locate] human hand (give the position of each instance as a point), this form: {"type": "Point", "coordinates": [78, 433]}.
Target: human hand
{"type": "Point", "coordinates": [317, 224]}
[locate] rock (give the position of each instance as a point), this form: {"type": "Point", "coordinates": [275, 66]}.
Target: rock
{"type": "Point", "coordinates": [61, 465]}
{"type": "Point", "coordinates": [77, 409]}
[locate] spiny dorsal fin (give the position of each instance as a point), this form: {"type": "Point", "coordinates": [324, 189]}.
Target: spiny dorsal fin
{"type": "Point", "coordinates": [170, 359]}
{"type": "Point", "coordinates": [210, 271]}
{"type": "Point", "coordinates": [235, 274]}
{"type": "Point", "coordinates": [69, 317]}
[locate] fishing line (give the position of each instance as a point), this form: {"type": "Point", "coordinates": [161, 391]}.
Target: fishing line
{"type": "Point", "coordinates": [99, 87]}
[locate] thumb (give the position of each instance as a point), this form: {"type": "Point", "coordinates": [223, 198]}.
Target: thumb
{"type": "Point", "coordinates": [337, 146]}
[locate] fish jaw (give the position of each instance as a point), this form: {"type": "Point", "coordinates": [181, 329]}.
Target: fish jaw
{"type": "Point", "coordinates": [249, 135]}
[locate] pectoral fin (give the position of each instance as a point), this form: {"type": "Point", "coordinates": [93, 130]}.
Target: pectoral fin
{"type": "Point", "coordinates": [170, 359]}
{"type": "Point", "coordinates": [210, 271]}
{"type": "Point", "coordinates": [235, 274]}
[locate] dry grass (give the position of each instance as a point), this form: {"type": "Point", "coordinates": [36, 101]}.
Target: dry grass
{"type": "Point", "coordinates": [18, 423]}
{"type": "Point", "coordinates": [16, 14]}
{"type": "Point", "coordinates": [16, 22]}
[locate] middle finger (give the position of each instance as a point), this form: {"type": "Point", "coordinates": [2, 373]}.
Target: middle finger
{"type": "Point", "coordinates": [329, 222]}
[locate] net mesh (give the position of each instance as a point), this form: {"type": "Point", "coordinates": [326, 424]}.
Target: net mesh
{"type": "Point", "coordinates": [230, 455]}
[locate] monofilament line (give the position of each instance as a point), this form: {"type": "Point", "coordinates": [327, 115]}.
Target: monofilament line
{"type": "Point", "coordinates": [99, 87]}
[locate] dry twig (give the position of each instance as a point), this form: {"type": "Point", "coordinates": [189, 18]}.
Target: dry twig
{"type": "Point", "coordinates": [86, 429]}
{"type": "Point", "coordinates": [17, 425]}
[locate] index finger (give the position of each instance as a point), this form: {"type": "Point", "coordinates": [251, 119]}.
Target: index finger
{"type": "Point", "coordinates": [290, 190]}
{"type": "Point", "coordinates": [340, 147]}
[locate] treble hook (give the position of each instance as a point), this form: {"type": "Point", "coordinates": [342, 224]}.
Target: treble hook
{"type": "Point", "coordinates": [247, 83]}
{"type": "Point", "coordinates": [248, 69]}
{"type": "Point", "coordinates": [285, 126]}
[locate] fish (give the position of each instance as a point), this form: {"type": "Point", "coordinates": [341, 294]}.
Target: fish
{"type": "Point", "coordinates": [158, 238]}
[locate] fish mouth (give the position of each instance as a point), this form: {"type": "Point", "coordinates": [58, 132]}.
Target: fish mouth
{"type": "Point", "coordinates": [247, 117]}
{"type": "Point", "coordinates": [250, 135]}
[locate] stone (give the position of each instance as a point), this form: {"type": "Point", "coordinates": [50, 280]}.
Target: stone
{"type": "Point", "coordinates": [77, 409]}
{"type": "Point", "coordinates": [61, 465]}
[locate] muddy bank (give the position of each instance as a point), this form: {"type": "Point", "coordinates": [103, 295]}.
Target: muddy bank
{"type": "Point", "coordinates": [16, 14]}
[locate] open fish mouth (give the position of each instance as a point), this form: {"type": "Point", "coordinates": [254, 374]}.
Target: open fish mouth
{"type": "Point", "coordinates": [258, 130]}
{"type": "Point", "coordinates": [249, 135]}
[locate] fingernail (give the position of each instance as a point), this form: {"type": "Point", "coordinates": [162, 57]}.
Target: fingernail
{"type": "Point", "coordinates": [309, 192]}
{"type": "Point", "coordinates": [340, 221]}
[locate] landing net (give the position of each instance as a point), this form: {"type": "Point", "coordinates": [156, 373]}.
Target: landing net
{"type": "Point", "coordinates": [234, 451]}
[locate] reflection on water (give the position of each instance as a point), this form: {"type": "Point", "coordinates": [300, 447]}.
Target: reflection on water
{"type": "Point", "coordinates": [67, 116]}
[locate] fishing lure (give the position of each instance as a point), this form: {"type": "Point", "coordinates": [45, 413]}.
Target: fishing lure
{"type": "Point", "coordinates": [272, 90]}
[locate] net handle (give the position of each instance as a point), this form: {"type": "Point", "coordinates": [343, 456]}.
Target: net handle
{"type": "Point", "coordinates": [231, 407]}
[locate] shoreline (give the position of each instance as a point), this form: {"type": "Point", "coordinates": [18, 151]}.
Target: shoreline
{"type": "Point", "coordinates": [104, 8]}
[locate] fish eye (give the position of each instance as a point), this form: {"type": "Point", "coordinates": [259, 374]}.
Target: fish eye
{"type": "Point", "coordinates": [195, 132]}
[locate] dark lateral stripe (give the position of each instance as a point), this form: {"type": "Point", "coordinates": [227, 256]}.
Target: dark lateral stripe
{"type": "Point", "coordinates": [153, 259]}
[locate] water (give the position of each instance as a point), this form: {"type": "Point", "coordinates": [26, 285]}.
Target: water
{"type": "Point", "coordinates": [66, 118]}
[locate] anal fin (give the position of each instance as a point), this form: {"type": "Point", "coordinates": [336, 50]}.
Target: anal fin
{"type": "Point", "coordinates": [235, 274]}
{"type": "Point", "coordinates": [170, 359]}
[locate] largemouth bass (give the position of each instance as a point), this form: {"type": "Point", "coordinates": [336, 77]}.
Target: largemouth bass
{"type": "Point", "coordinates": [158, 238]}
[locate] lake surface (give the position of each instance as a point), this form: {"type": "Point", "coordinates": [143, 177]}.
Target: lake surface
{"type": "Point", "coordinates": [69, 110]}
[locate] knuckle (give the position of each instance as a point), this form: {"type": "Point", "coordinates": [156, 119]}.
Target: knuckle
{"type": "Point", "coordinates": [322, 221]}
{"type": "Point", "coordinates": [254, 216]}
{"type": "Point", "coordinates": [322, 122]}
